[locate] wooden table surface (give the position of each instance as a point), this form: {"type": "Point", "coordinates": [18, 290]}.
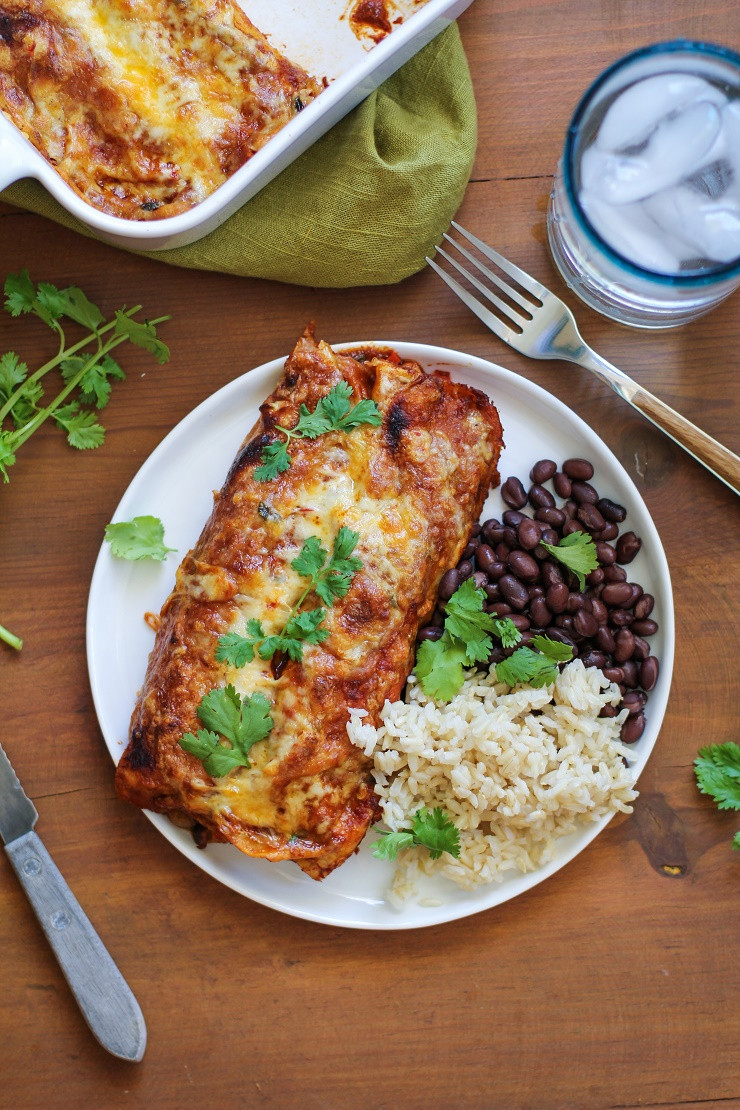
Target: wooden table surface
{"type": "Point", "coordinates": [615, 983]}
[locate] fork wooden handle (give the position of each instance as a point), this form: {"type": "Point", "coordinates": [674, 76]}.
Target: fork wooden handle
{"type": "Point", "coordinates": [713, 455]}
{"type": "Point", "coordinates": [717, 458]}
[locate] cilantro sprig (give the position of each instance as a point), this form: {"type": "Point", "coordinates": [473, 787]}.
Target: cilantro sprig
{"type": "Point", "coordinates": [86, 367]}
{"type": "Point", "coordinates": [717, 769]}
{"type": "Point", "coordinates": [140, 538]}
{"type": "Point", "coordinates": [333, 413]}
{"type": "Point", "coordinates": [242, 722]}
{"type": "Point", "coordinates": [330, 577]}
{"type": "Point", "coordinates": [433, 830]}
{"type": "Point", "coordinates": [535, 668]}
{"type": "Point", "coordinates": [576, 551]}
{"type": "Point", "coordinates": [9, 638]}
{"type": "Point", "coordinates": [466, 640]}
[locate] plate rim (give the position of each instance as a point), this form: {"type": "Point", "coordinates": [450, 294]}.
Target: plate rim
{"type": "Point", "coordinates": [448, 360]}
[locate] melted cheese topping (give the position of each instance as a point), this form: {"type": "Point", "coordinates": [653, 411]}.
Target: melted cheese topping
{"type": "Point", "coordinates": [144, 106]}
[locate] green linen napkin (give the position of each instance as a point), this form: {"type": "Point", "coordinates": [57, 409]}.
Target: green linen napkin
{"type": "Point", "coordinates": [362, 206]}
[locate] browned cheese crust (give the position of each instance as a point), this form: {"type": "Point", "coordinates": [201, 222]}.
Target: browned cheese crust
{"type": "Point", "coordinates": [411, 488]}
{"type": "Point", "coordinates": [144, 107]}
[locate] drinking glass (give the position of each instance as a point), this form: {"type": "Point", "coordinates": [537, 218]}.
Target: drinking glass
{"type": "Point", "coordinates": [644, 216]}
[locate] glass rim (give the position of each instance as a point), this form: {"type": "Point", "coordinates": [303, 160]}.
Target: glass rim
{"type": "Point", "coordinates": [687, 278]}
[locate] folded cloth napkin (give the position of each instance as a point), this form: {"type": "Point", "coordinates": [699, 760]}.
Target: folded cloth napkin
{"type": "Point", "coordinates": [362, 206]}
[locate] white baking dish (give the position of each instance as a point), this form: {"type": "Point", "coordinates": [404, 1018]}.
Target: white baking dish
{"type": "Point", "coordinates": [320, 40]}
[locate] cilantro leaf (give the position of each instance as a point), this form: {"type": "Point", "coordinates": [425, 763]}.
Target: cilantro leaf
{"type": "Point", "coordinates": [389, 844]}
{"type": "Point", "coordinates": [736, 840]}
{"type": "Point", "coordinates": [311, 558]}
{"type": "Point", "coordinates": [20, 293]}
{"type": "Point", "coordinates": [439, 667]}
{"type": "Point", "coordinates": [237, 650]}
{"type": "Point", "coordinates": [527, 666]}
{"type": "Point", "coordinates": [94, 386]}
{"type": "Point", "coordinates": [561, 653]}
{"type": "Point", "coordinates": [142, 335]}
{"type": "Point", "coordinates": [7, 456]}
{"type": "Point", "coordinates": [335, 405]}
{"type": "Point", "coordinates": [310, 424]}
{"type": "Point", "coordinates": [275, 459]}
{"type": "Point", "coordinates": [336, 580]}
{"type": "Point", "coordinates": [507, 632]}
{"type": "Point", "coordinates": [140, 538]}
{"type": "Point", "coordinates": [717, 769]}
{"type": "Point", "coordinates": [305, 626]}
{"type": "Point", "coordinates": [217, 759]}
{"type": "Point", "coordinates": [12, 373]}
{"type": "Point", "coordinates": [73, 303]}
{"type": "Point", "coordinates": [364, 412]}
{"type": "Point", "coordinates": [83, 431]}
{"type": "Point", "coordinates": [467, 620]}
{"type": "Point", "coordinates": [577, 552]}
{"type": "Point", "coordinates": [433, 830]}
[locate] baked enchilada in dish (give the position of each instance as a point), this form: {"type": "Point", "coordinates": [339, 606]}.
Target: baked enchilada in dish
{"type": "Point", "coordinates": [144, 107]}
{"type": "Point", "coordinates": [374, 470]}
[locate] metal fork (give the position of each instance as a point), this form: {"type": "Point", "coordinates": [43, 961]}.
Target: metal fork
{"type": "Point", "coordinates": [544, 327]}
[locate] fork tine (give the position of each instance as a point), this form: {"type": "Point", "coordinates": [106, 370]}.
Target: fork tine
{"type": "Point", "coordinates": [497, 326]}
{"type": "Point", "coordinates": [509, 268]}
{"type": "Point", "coordinates": [528, 306]}
{"type": "Point", "coordinates": [510, 313]}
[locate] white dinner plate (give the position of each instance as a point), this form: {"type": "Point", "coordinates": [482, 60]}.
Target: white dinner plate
{"type": "Point", "coordinates": [176, 483]}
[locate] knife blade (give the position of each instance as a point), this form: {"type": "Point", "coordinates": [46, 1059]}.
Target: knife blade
{"type": "Point", "coordinates": [103, 995]}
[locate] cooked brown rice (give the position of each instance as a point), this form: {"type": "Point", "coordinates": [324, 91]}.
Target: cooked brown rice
{"type": "Point", "coordinates": [516, 769]}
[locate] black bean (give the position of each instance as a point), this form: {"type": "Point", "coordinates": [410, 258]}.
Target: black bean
{"type": "Point", "coordinates": [429, 633]}
{"type": "Point", "coordinates": [604, 638]}
{"type": "Point", "coordinates": [608, 710]}
{"type": "Point", "coordinates": [611, 510]}
{"type": "Point", "coordinates": [616, 593]}
{"type": "Point", "coordinates": [554, 517]}
{"type": "Point", "coordinates": [523, 566]}
{"type": "Point", "coordinates": [475, 531]}
{"type": "Point", "coordinates": [624, 645]}
{"type": "Point", "coordinates": [499, 609]}
{"type": "Point", "coordinates": [633, 728]}
{"type": "Point", "coordinates": [570, 508]}
{"type": "Point", "coordinates": [510, 536]}
{"type": "Point", "coordinates": [561, 484]}
{"type": "Point", "coordinates": [514, 493]}
{"type": "Point", "coordinates": [594, 659]}
{"type": "Point", "coordinates": [642, 649]}
{"type": "Point", "coordinates": [468, 551]}
{"type": "Point", "coordinates": [590, 516]}
{"type": "Point", "coordinates": [480, 579]}
{"type": "Point", "coordinates": [493, 532]}
{"type": "Point", "coordinates": [572, 526]}
{"type": "Point", "coordinates": [564, 621]}
{"type": "Point", "coordinates": [649, 672]}
{"type": "Point", "coordinates": [502, 551]}
{"type": "Point", "coordinates": [448, 585]}
{"type": "Point", "coordinates": [615, 574]}
{"type": "Point", "coordinates": [535, 591]}
{"type": "Point", "coordinates": [549, 535]}
{"type": "Point", "coordinates": [542, 470]}
{"type": "Point", "coordinates": [540, 498]}
{"type": "Point", "coordinates": [575, 602]}
{"type": "Point", "coordinates": [464, 569]}
{"type": "Point", "coordinates": [634, 702]}
{"type": "Point", "coordinates": [513, 591]}
{"type": "Point", "coordinates": [614, 674]}
{"type": "Point", "coordinates": [620, 618]}
{"type": "Point", "coordinates": [628, 545]}
{"type": "Point", "coordinates": [557, 597]}
{"type": "Point", "coordinates": [599, 610]}
{"type": "Point", "coordinates": [438, 617]}
{"type": "Point", "coordinates": [520, 621]}
{"type": "Point", "coordinates": [605, 553]}
{"type": "Point", "coordinates": [609, 532]}
{"type": "Point", "coordinates": [631, 676]}
{"type": "Point", "coordinates": [528, 534]}
{"type": "Point", "coordinates": [541, 615]}
{"type": "Point", "coordinates": [581, 469]}
{"type": "Point", "coordinates": [562, 638]}
{"type": "Point", "coordinates": [595, 577]}
{"type": "Point", "coordinates": [496, 569]}
{"type": "Point", "coordinates": [550, 573]}
{"type": "Point", "coordinates": [512, 518]}
{"type": "Point", "coordinates": [493, 593]}
{"type": "Point", "coordinates": [645, 627]}
{"type": "Point", "coordinates": [587, 625]}
{"type": "Point", "coordinates": [485, 557]}
{"type": "Point", "coordinates": [644, 606]}
{"type": "Point", "coordinates": [583, 494]}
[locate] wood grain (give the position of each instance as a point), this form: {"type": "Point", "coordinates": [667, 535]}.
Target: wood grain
{"type": "Point", "coordinates": [613, 984]}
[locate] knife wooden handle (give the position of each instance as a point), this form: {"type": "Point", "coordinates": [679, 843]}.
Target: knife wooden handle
{"type": "Point", "coordinates": [103, 995]}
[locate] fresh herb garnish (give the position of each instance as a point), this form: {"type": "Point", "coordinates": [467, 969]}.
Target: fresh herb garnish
{"type": "Point", "coordinates": [86, 377]}
{"type": "Point", "coordinates": [466, 640]}
{"type": "Point", "coordinates": [10, 638]}
{"type": "Point", "coordinates": [140, 538]}
{"type": "Point", "coordinates": [717, 769]}
{"type": "Point", "coordinates": [536, 668]}
{"type": "Point", "coordinates": [433, 830]}
{"type": "Point", "coordinates": [226, 715]}
{"type": "Point", "coordinates": [329, 578]}
{"type": "Point", "coordinates": [333, 413]}
{"type": "Point", "coordinates": [578, 553]}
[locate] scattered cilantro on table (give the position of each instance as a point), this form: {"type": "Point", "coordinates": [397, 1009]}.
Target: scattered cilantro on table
{"type": "Point", "coordinates": [140, 538]}
{"type": "Point", "coordinates": [433, 830]}
{"type": "Point", "coordinates": [576, 551]}
{"type": "Point", "coordinates": [86, 366]}
{"type": "Point", "coordinates": [333, 413]}
{"type": "Point", "coordinates": [717, 769]}
{"type": "Point", "coordinates": [329, 577]}
{"type": "Point", "coordinates": [240, 721]}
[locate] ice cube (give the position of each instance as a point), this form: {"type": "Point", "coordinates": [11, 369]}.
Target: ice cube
{"type": "Point", "coordinates": [640, 108]}
{"type": "Point", "coordinates": [675, 149]}
{"type": "Point", "coordinates": [711, 227]}
{"type": "Point", "coordinates": [630, 231]}
{"type": "Point", "coordinates": [720, 169]}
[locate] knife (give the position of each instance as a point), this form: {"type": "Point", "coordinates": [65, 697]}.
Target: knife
{"type": "Point", "coordinates": [103, 995]}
